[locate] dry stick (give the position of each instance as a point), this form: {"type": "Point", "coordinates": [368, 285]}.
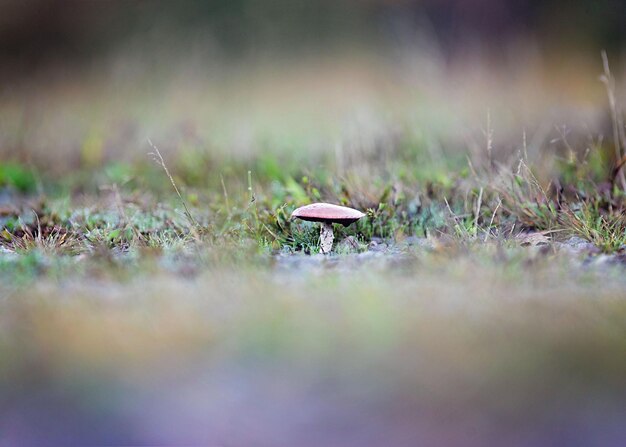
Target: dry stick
{"type": "Point", "coordinates": [454, 216]}
{"type": "Point", "coordinates": [38, 239]}
{"type": "Point", "coordinates": [489, 136]}
{"type": "Point", "coordinates": [609, 83]}
{"type": "Point", "coordinates": [471, 167]}
{"type": "Point", "coordinates": [477, 214]}
{"type": "Point", "coordinates": [252, 198]}
{"type": "Point", "coordinates": [618, 168]}
{"type": "Point", "coordinates": [534, 180]}
{"type": "Point", "coordinates": [225, 195]}
{"type": "Point", "coordinates": [159, 159]}
{"type": "Point", "coordinates": [525, 145]}
{"type": "Point", "coordinates": [562, 132]}
{"type": "Point", "coordinates": [621, 132]}
{"type": "Point", "coordinates": [493, 216]}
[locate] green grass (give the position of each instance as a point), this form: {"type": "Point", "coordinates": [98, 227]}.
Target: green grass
{"type": "Point", "coordinates": [247, 215]}
{"type": "Point", "coordinates": [118, 207]}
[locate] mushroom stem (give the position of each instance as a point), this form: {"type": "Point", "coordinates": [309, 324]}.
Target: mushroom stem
{"type": "Point", "coordinates": [326, 238]}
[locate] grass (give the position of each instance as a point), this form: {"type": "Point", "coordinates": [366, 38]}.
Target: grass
{"type": "Point", "coordinates": [246, 218]}
{"type": "Point", "coordinates": [497, 203]}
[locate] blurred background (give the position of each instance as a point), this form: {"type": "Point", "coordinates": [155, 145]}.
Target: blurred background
{"type": "Point", "coordinates": [90, 81]}
{"type": "Point", "coordinates": [44, 34]}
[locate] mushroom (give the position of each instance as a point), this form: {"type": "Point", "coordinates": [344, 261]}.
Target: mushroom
{"type": "Point", "coordinates": [327, 214]}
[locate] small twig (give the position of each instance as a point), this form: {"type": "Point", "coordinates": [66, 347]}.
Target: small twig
{"type": "Point", "coordinates": [493, 216]}
{"type": "Point", "coordinates": [38, 239]}
{"type": "Point", "coordinates": [471, 167]}
{"type": "Point", "coordinates": [618, 132]}
{"type": "Point", "coordinates": [523, 155]}
{"type": "Point", "coordinates": [252, 198]}
{"type": "Point", "coordinates": [489, 136]}
{"type": "Point", "coordinates": [562, 130]}
{"type": "Point", "coordinates": [477, 213]}
{"type": "Point", "coordinates": [449, 209]}
{"type": "Point", "coordinates": [534, 180]}
{"type": "Point", "coordinates": [456, 219]}
{"type": "Point", "coordinates": [226, 201]}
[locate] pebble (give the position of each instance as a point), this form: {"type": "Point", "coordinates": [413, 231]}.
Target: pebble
{"type": "Point", "coordinates": [577, 245]}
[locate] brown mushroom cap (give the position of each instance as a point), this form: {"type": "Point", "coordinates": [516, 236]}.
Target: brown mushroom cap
{"type": "Point", "coordinates": [326, 212]}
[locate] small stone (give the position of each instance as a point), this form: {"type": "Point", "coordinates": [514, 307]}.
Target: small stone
{"type": "Point", "coordinates": [602, 260]}
{"type": "Point", "coordinates": [414, 241]}
{"type": "Point", "coordinates": [7, 254]}
{"type": "Point", "coordinates": [286, 250]}
{"type": "Point", "coordinates": [377, 246]}
{"type": "Point", "coordinates": [533, 239]}
{"type": "Point", "coordinates": [620, 258]}
{"type": "Point", "coordinates": [578, 245]}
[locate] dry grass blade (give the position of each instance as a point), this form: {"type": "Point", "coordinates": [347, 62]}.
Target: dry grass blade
{"type": "Point", "coordinates": [158, 158]}
{"type": "Point", "coordinates": [619, 139]}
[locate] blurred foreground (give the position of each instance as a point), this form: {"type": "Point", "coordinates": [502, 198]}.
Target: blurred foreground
{"type": "Point", "coordinates": [456, 352]}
